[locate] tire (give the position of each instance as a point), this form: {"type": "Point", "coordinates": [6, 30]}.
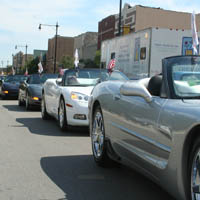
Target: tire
{"type": "Point", "coordinates": [28, 106]}
{"type": "Point", "coordinates": [194, 171]}
{"type": "Point", "coordinates": [45, 115]}
{"type": "Point", "coordinates": [99, 148]}
{"type": "Point", "coordinates": [20, 103]}
{"type": "Point", "coordinates": [62, 120]}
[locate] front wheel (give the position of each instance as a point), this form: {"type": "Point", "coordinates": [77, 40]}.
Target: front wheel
{"type": "Point", "coordinates": [62, 116]}
{"type": "Point", "coordinates": [194, 171]}
{"type": "Point", "coordinates": [28, 106]}
{"type": "Point", "coordinates": [20, 103]}
{"type": "Point", "coordinates": [98, 139]}
{"type": "Point", "coordinates": [44, 113]}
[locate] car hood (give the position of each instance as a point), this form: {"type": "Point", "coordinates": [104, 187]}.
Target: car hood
{"type": "Point", "coordinates": [11, 85]}
{"type": "Point", "coordinates": [35, 89]}
{"type": "Point", "coordinates": [83, 90]}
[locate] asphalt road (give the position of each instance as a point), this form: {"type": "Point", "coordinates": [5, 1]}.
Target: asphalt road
{"type": "Point", "coordinates": [39, 162]}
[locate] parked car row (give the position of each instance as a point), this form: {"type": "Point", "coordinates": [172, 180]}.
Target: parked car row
{"type": "Point", "coordinates": [30, 90]}
{"type": "Point", "coordinates": [152, 124]}
{"type": "Point", "coordinates": [9, 86]}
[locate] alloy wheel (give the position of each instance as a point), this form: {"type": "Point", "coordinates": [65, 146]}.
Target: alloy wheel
{"type": "Point", "coordinates": [98, 134]}
{"type": "Point", "coordinates": [61, 114]}
{"type": "Point", "coordinates": [195, 177]}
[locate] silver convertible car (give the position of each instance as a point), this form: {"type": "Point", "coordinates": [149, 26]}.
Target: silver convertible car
{"type": "Point", "coordinates": [152, 125]}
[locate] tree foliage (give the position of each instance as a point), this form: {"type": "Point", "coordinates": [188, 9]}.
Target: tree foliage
{"type": "Point", "coordinates": [67, 62]}
{"type": "Point", "coordinates": [97, 58]}
{"type": "Point", "coordinates": [32, 66]}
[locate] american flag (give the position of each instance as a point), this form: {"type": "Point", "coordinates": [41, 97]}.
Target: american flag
{"type": "Point", "coordinates": [26, 72]}
{"type": "Point", "coordinates": [111, 65]}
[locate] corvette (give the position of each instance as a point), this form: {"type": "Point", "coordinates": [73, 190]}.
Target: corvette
{"type": "Point", "coordinates": [30, 90]}
{"type": "Point", "coordinates": [152, 125]}
{"type": "Point", "coordinates": [67, 100]}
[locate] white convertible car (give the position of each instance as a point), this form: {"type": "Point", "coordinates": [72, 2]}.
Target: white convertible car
{"type": "Point", "coordinates": [66, 99]}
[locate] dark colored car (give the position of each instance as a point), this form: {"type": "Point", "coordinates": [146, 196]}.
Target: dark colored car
{"type": "Point", "coordinates": [2, 77]}
{"type": "Point", "coordinates": [10, 85]}
{"type": "Point", "coordinates": [30, 91]}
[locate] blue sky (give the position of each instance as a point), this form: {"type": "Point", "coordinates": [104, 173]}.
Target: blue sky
{"type": "Point", "coordinates": [20, 19]}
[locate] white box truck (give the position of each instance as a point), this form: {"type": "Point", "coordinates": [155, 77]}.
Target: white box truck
{"type": "Point", "coordinates": [140, 54]}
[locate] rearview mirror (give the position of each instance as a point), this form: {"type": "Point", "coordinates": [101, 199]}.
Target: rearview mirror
{"type": "Point", "coordinates": [134, 88]}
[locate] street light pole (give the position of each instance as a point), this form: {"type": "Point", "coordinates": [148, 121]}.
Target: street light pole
{"type": "Point", "coordinates": [56, 37]}
{"type": "Point", "coordinates": [26, 47]}
{"type": "Point", "coordinates": [120, 17]}
{"type": "Point", "coordinates": [26, 54]}
{"type": "Point", "coordinates": [54, 69]}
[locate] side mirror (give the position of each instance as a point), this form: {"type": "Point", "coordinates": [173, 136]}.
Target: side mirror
{"type": "Point", "coordinates": [134, 88]}
{"type": "Point", "coordinates": [59, 81]}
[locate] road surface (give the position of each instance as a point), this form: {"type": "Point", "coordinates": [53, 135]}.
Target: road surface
{"type": "Point", "coordinates": [39, 162]}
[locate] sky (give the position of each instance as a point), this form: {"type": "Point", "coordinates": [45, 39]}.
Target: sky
{"type": "Point", "coordinates": [20, 20]}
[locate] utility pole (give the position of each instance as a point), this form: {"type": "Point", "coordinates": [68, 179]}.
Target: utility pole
{"type": "Point", "coordinates": [120, 17]}
{"type": "Point", "coordinates": [56, 37]}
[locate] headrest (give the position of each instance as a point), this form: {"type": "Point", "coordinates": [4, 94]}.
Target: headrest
{"type": "Point", "coordinates": [154, 85]}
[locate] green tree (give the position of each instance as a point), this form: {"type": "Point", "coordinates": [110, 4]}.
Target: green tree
{"type": "Point", "coordinates": [97, 58]}
{"type": "Point", "coordinates": [67, 62]}
{"type": "Point", "coordinates": [32, 66]}
{"type": "Point", "coordinates": [89, 63]}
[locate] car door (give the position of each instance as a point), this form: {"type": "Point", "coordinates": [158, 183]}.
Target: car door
{"type": "Point", "coordinates": [134, 128]}
{"type": "Point", "coordinates": [51, 94]}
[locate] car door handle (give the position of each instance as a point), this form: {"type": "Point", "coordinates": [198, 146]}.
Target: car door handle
{"type": "Point", "coordinates": [116, 97]}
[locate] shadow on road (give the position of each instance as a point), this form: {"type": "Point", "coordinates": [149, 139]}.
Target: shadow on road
{"type": "Point", "coordinates": [50, 128]}
{"type": "Point", "coordinates": [17, 108]}
{"type": "Point", "coordinates": [81, 179]}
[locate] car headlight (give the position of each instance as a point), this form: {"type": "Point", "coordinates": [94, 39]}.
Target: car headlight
{"type": "Point", "coordinates": [79, 97]}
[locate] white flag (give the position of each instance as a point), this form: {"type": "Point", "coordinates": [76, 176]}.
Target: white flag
{"type": "Point", "coordinates": [195, 41]}
{"type": "Point", "coordinates": [40, 68]}
{"type": "Point", "coordinates": [13, 71]}
{"type": "Point", "coordinates": [76, 59]}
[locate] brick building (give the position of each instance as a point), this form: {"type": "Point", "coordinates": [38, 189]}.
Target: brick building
{"type": "Point", "coordinates": [19, 60]}
{"type": "Point", "coordinates": [106, 29]}
{"type": "Point", "coordinates": [65, 46]}
{"type": "Point", "coordinates": [141, 17]}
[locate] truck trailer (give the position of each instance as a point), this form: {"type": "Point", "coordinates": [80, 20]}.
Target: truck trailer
{"type": "Point", "coordinates": [139, 54]}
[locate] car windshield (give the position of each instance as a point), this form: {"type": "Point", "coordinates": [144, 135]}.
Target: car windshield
{"type": "Point", "coordinates": [186, 77]}
{"type": "Point", "coordinates": [14, 78]}
{"type": "Point", "coordinates": [40, 79]}
{"type": "Point", "coordinates": [44, 77]}
{"type": "Point", "coordinates": [91, 77]}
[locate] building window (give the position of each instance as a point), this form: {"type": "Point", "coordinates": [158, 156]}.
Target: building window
{"type": "Point", "coordinates": [112, 56]}
{"type": "Point", "coordinates": [143, 53]}
{"type": "Point", "coordinates": [128, 20]}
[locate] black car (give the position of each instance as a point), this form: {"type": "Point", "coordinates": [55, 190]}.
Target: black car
{"type": "Point", "coordinates": [2, 77]}
{"type": "Point", "coordinates": [30, 91]}
{"type": "Point", "coordinates": [10, 85]}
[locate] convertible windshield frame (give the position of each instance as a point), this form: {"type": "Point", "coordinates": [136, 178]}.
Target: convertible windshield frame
{"type": "Point", "coordinates": [14, 78]}
{"type": "Point", "coordinates": [183, 74]}
{"type": "Point", "coordinates": [97, 75]}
